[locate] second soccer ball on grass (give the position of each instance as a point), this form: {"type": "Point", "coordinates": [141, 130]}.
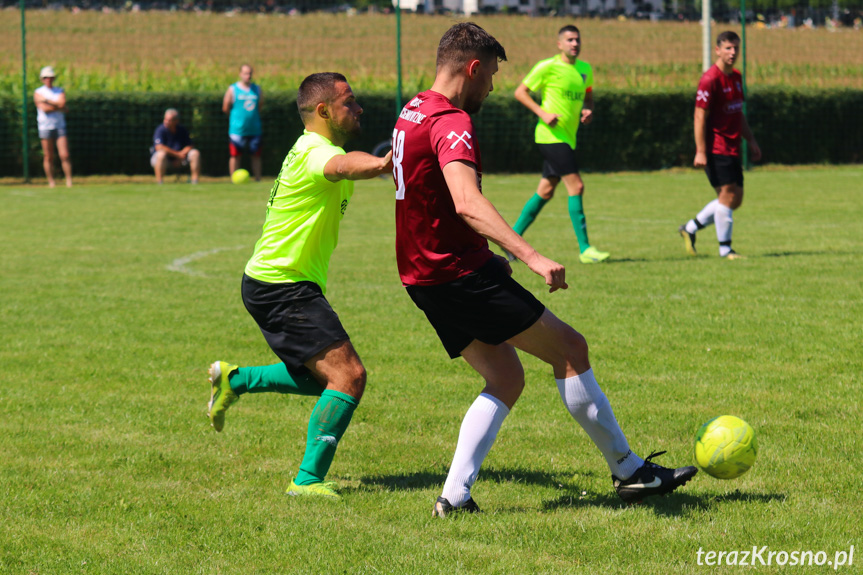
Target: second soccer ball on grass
{"type": "Point", "coordinates": [240, 176]}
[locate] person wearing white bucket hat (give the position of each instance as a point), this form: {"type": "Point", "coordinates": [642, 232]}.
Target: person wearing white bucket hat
{"type": "Point", "coordinates": [51, 120]}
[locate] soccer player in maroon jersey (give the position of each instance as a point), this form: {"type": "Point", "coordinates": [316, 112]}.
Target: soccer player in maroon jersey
{"type": "Point", "coordinates": [719, 126]}
{"type": "Point", "coordinates": [443, 224]}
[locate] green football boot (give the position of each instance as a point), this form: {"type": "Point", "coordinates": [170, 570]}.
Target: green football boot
{"type": "Point", "coordinates": [327, 489]}
{"type": "Point", "coordinates": [221, 394]}
{"type": "Point", "coordinates": [593, 256]}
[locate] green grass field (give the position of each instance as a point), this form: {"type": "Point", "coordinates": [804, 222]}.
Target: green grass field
{"type": "Point", "coordinates": [116, 298]}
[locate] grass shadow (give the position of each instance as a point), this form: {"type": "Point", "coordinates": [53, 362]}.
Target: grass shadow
{"type": "Point", "coordinates": [416, 481]}
{"type": "Point", "coordinates": [579, 499]}
{"type": "Point", "coordinates": [678, 504]}
{"type": "Point", "coordinates": [627, 261]}
{"type": "Point", "coordinates": [683, 257]}
{"type": "Point", "coordinates": [428, 479]}
{"type": "Point", "coordinates": [804, 253]}
{"type": "Point", "coordinates": [671, 505]}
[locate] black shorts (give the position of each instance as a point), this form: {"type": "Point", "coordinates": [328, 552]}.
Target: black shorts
{"type": "Point", "coordinates": [724, 170]}
{"type": "Point", "coordinates": [560, 160]}
{"type": "Point", "coordinates": [487, 305]}
{"type": "Point", "coordinates": [295, 318]}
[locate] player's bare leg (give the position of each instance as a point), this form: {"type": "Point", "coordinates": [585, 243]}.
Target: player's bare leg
{"type": "Point", "coordinates": [499, 367]}
{"type": "Point", "coordinates": [546, 187]}
{"type": "Point", "coordinates": [555, 343]}
{"type": "Point", "coordinates": [340, 368]}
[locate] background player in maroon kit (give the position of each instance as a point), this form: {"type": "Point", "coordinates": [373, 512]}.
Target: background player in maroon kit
{"type": "Point", "coordinates": [719, 125]}
{"type": "Point", "coordinates": [443, 222]}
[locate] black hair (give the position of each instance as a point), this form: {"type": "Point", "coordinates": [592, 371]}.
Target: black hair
{"type": "Point", "coordinates": [728, 36]}
{"type": "Point", "coordinates": [315, 89]}
{"type": "Point", "coordinates": [467, 41]}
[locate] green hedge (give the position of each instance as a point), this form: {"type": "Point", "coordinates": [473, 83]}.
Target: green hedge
{"type": "Point", "coordinates": [110, 133]}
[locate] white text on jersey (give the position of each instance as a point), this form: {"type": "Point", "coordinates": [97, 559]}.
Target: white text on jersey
{"type": "Point", "coordinates": [412, 116]}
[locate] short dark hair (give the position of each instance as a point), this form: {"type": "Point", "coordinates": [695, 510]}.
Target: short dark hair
{"type": "Point", "coordinates": [464, 42]}
{"type": "Point", "coordinates": [728, 36]}
{"type": "Point", "coordinates": [568, 28]}
{"type": "Point", "coordinates": [315, 89]}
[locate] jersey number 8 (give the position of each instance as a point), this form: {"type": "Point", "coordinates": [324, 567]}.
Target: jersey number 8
{"type": "Point", "coordinates": [398, 156]}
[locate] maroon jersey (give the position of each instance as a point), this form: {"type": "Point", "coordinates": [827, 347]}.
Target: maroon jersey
{"type": "Point", "coordinates": [722, 96]}
{"type": "Point", "coordinates": [434, 245]}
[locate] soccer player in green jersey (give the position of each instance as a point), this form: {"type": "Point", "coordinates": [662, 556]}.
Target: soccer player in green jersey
{"type": "Point", "coordinates": [566, 84]}
{"type": "Point", "coordinates": [285, 280]}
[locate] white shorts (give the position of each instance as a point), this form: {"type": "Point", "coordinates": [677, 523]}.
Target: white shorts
{"type": "Point", "coordinates": [174, 162]}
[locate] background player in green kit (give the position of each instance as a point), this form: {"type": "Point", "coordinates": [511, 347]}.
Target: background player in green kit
{"type": "Point", "coordinates": [566, 84]}
{"type": "Point", "coordinates": [286, 278]}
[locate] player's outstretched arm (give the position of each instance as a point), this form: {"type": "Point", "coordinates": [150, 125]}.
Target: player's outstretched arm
{"type": "Point", "coordinates": [481, 215]}
{"type": "Point", "coordinates": [357, 166]}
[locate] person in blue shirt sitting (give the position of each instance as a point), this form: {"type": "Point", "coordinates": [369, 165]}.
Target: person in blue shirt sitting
{"type": "Point", "coordinates": [172, 147]}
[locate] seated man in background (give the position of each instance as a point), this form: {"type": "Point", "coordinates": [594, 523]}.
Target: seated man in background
{"type": "Point", "coordinates": [172, 147]}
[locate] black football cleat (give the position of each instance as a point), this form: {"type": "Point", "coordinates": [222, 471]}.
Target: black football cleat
{"type": "Point", "coordinates": [652, 479]}
{"type": "Point", "coordinates": [442, 507]}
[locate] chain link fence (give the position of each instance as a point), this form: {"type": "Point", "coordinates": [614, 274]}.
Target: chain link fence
{"type": "Point", "coordinates": [122, 62]}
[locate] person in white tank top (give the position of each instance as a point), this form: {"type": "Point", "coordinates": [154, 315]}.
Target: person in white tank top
{"type": "Point", "coordinates": [51, 120]}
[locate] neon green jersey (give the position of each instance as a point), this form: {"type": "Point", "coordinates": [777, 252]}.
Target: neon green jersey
{"type": "Point", "coordinates": [303, 216]}
{"type": "Point", "coordinates": [563, 87]}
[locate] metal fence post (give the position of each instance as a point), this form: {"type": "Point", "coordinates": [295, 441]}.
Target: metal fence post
{"type": "Point", "coordinates": [24, 143]}
{"type": "Point", "coordinates": [745, 150]}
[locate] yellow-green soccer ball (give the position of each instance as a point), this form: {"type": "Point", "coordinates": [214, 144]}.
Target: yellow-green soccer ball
{"type": "Point", "coordinates": [725, 447]}
{"type": "Point", "coordinates": [240, 176]}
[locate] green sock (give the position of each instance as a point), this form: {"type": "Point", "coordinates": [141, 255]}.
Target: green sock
{"type": "Point", "coordinates": [579, 223]}
{"type": "Point", "coordinates": [328, 423]}
{"type": "Point", "coordinates": [528, 213]}
{"type": "Point", "coordinates": [273, 378]}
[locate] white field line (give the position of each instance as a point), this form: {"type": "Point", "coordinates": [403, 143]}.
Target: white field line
{"type": "Point", "coordinates": [181, 265]}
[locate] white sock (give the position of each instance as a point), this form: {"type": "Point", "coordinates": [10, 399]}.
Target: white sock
{"type": "Point", "coordinates": [590, 408]}
{"type": "Point", "coordinates": [724, 225]}
{"type": "Point", "coordinates": [478, 432]}
{"type": "Point", "coordinates": [704, 218]}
